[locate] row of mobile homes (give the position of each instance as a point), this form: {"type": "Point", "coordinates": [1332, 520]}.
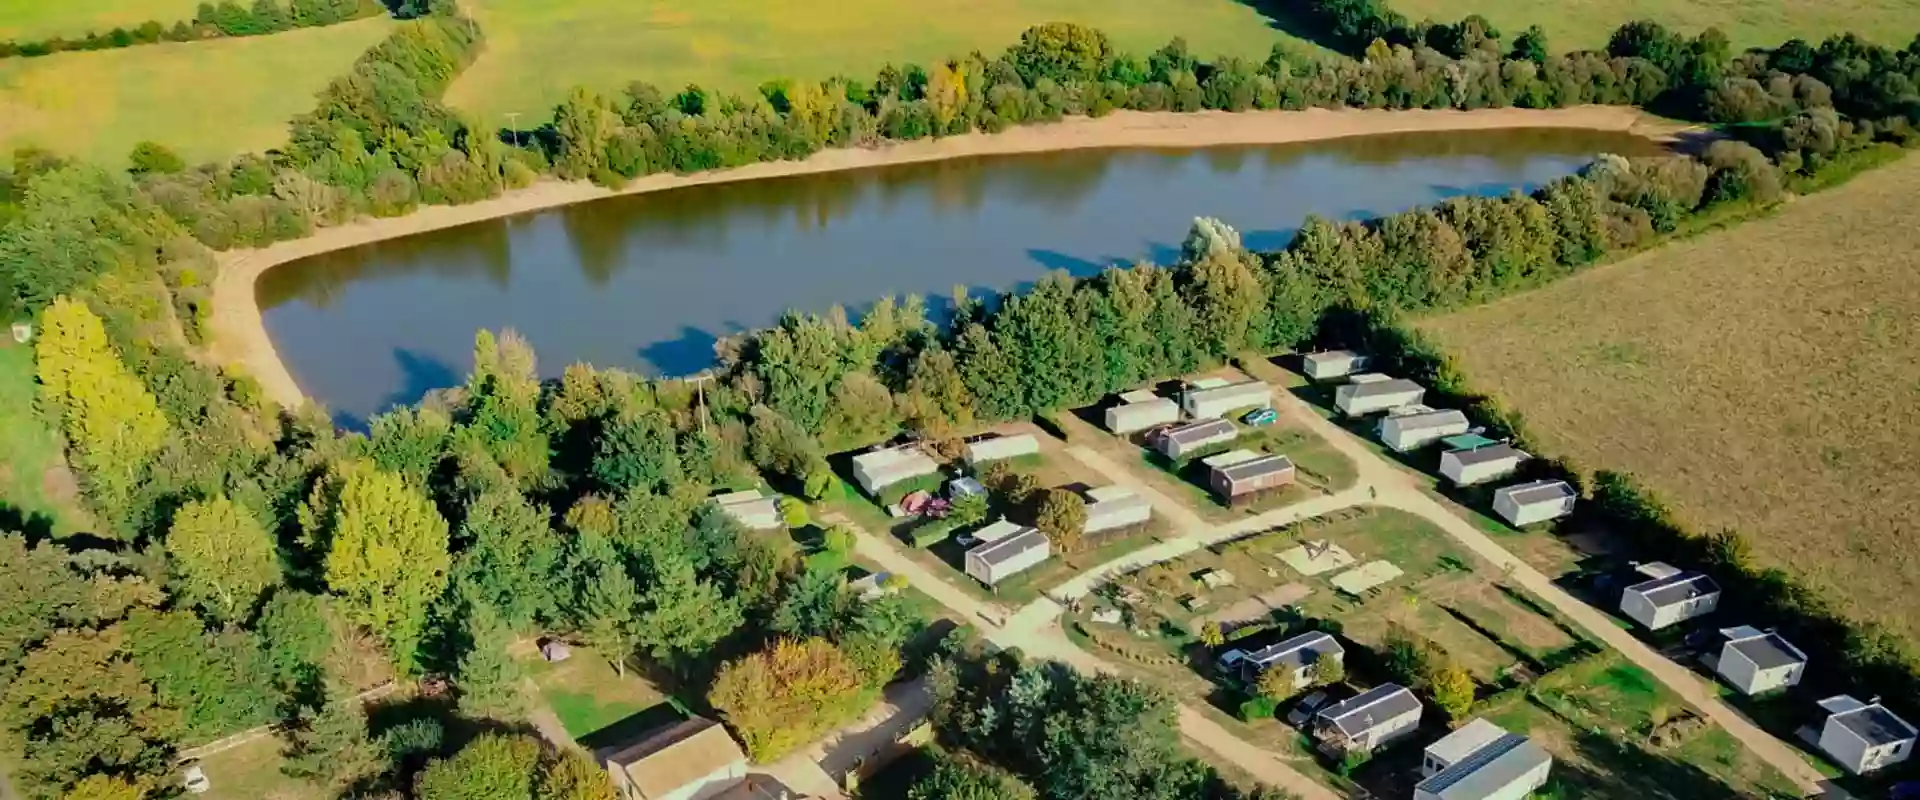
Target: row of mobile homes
{"type": "Point", "coordinates": [1214, 401]}
{"type": "Point", "coordinates": [878, 469]}
{"type": "Point", "coordinates": [995, 560]}
{"type": "Point", "coordinates": [1296, 657]}
{"type": "Point", "coordinates": [1410, 428]}
{"type": "Point", "coordinates": [751, 509]}
{"type": "Point", "coordinates": [1481, 464]}
{"type": "Point", "coordinates": [1524, 504]}
{"type": "Point", "coordinates": [1242, 473]}
{"type": "Point", "coordinates": [1372, 393]}
{"type": "Point", "coordinates": [996, 448]}
{"type": "Point", "coordinates": [1185, 440]}
{"type": "Point", "coordinates": [1669, 596]}
{"type": "Point", "coordinates": [1140, 410]}
{"type": "Point", "coordinates": [1114, 507]}
{"type": "Point", "coordinates": [1333, 364]}
{"type": "Point", "coordinates": [1482, 761]}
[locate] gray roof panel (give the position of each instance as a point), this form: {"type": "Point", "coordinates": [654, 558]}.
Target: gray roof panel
{"type": "Point", "coordinates": [1297, 651]}
{"type": "Point", "coordinates": [1769, 651]}
{"type": "Point", "coordinates": [1539, 492]}
{"type": "Point", "coordinates": [1385, 388]}
{"type": "Point", "coordinates": [1001, 551]}
{"type": "Point", "coordinates": [1263, 465]}
{"type": "Point", "coordinates": [1363, 712]}
{"type": "Point", "coordinates": [1485, 455]}
{"type": "Point", "coordinates": [1488, 770]}
{"type": "Point", "coordinates": [1676, 588]}
{"type": "Point", "coordinates": [1876, 725]}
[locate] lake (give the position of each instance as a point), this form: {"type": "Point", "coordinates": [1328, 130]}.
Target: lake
{"type": "Point", "coordinates": [650, 281]}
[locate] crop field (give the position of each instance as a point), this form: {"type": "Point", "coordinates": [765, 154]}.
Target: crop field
{"type": "Point", "coordinates": [1760, 379]}
{"type": "Point", "coordinates": [204, 99]}
{"type": "Point", "coordinates": [1582, 24]}
{"type": "Point", "coordinates": [538, 50]}
{"type": "Point", "coordinates": [28, 20]}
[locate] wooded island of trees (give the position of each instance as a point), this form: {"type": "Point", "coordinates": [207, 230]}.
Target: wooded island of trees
{"type": "Point", "coordinates": [250, 564]}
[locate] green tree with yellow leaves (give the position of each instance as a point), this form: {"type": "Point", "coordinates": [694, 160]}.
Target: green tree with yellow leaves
{"type": "Point", "coordinates": [112, 423]}
{"type": "Point", "coordinates": [386, 552]}
{"type": "Point", "coordinates": [222, 557]}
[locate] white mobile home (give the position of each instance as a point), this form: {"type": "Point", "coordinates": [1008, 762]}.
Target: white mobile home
{"type": "Point", "coordinates": [1208, 403]}
{"type": "Point", "coordinates": [995, 448]}
{"type": "Point", "coordinates": [1864, 737]}
{"type": "Point", "coordinates": [750, 508]}
{"type": "Point", "coordinates": [1371, 393]}
{"type": "Point", "coordinates": [1244, 476]}
{"type": "Point", "coordinates": [1112, 507]}
{"type": "Point", "coordinates": [1295, 657]}
{"type": "Point", "coordinates": [1186, 440]}
{"type": "Point", "coordinates": [993, 562]}
{"type": "Point", "coordinates": [1757, 662]}
{"type": "Point", "coordinates": [1481, 464]}
{"type": "Point", "coordinates": [1480, 761]}
{"type": "Point", "coordinates": [1524, 504]}
{"type": "Point", "coordinates": [996, 530]}
{"type": "Point", "coordinates": [1679, 596]}
{"type": "Point", "coordinates": [1412, 427]}
{"type": "Point", "coordinates": [1333, 364]}
{"type": "Point", "coordinates": [1368, 720]}
{"type": "Point", "coordinates": [887, 466]}
{"type": "Point", "coordinates": [1141, 410]}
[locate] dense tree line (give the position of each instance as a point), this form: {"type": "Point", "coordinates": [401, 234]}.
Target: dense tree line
{"type": "Point", "coordinates": [1045, 731]}
{"type": "Point", "coordinates": [210, 21]}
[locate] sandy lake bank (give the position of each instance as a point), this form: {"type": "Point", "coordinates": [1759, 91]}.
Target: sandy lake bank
{"type": "Point", "coordinates": [240, 337]}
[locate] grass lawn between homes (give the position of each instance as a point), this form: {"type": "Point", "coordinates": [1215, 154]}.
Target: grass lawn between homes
{"type": "Point", "coordinates": [590, 697]}
{"type": "Point", "coordinates": [1586, 24]}
{"type": "Point", "coordinates": [538, 50]}
{"type": "Point", "coordinates": [252, 772]}
{"type": "Point", "coordinates": [1796, 431]}
{"type": "Point", "coordinates": [1591, 710]}
{"type": "Point", "coordinates": [31, 20]}
{"type": "Point", "coordinates": [37, 493]}
{"type": "Point", "coordinates": [206, 99]}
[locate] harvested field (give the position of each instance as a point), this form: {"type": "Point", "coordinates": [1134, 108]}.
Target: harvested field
{"type": "Point", "coordinates": [538, 50]}
{"type": "Point", "coordinates": [204, 99]}
{"type": "Point", "coordinates": [1761, 379]}
{"type": "Point", "coordinates": [27, 20]}
{"type": "Point", "coordinates": [1582, 24]}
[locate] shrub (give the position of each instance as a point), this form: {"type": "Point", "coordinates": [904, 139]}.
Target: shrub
{"type": "Point", "coordinates": [1257, 708]}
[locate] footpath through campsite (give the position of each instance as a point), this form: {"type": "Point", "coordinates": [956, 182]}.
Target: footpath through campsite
{"type": "Point", "coordinates": [1035, 627]}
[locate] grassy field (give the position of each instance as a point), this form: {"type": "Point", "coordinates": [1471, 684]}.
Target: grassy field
{"type": "Point", "coordinates": [204, 99]}
{"type": "Point", "coordinates": [28, 20]}
{"type": "Point", "coordinates": [1580, 24]}
{"type": "Point", "coordinates": [1761, 379]}
{"type": "Point", "coordinates": [36, 490]}
{"type": "Point", "coordinates": [537, 50]}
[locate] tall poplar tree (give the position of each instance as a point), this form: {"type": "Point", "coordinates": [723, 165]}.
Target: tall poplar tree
{"type": "Point", "coordinates": [111, 421]}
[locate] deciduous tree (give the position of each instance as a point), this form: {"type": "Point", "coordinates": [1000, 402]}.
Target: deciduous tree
{"type": "Point", "coordinates": [492, 767]}
{"type": "Point", "coordinates": [386, 553]}
{"type": "Point", "coordinates": [113, 424]}
{"type": "Point", "coordinates": [222, 557]}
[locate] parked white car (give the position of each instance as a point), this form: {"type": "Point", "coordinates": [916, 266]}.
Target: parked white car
{"type": "Point", "coordinates": [194, 779]}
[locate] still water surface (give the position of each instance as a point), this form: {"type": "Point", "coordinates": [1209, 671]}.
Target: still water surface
{"type": "Point", "coordinates": [649, 281]}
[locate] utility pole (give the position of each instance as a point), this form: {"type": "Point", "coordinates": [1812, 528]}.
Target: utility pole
{"type": "Point", "coordinates": [700, 388]}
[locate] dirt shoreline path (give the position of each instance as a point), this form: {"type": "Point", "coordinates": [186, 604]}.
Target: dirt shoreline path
{"type": "Point", "coordinates": [239, 337]}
